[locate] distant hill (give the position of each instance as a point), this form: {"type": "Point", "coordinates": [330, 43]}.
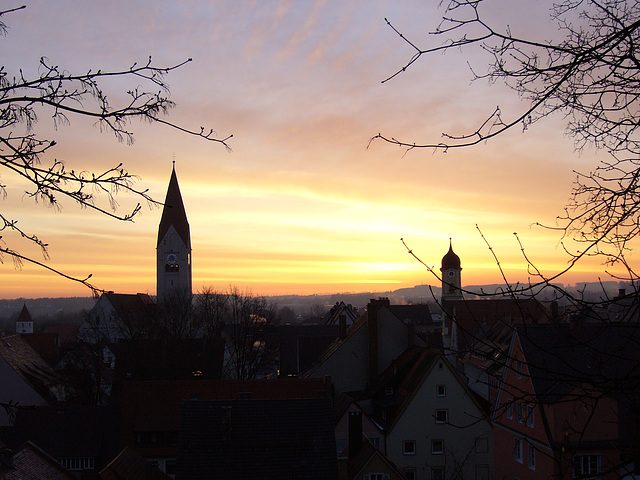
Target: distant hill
{"type": "Point", "coordinates": [53, 309]}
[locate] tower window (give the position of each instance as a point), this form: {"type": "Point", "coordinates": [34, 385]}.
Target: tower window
{"type": "Point", "coordinates": [172, 267]}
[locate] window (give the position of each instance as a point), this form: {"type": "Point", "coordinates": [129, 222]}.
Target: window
{"type": "Point", "coordinates": [172, 267]}
{"type": "Point", "coordinates": [510, 409]}
{"type": "Point", "coordinates": [409, 447]}
{"type": "Point", "coordinates": [437, 447]}
{"type": "Point", "coordinates": [517, 450]}
{"type": "Point", "coordinates": [76, 463]}
{"type": "Point", "coordinates": [388, 391]}
{"type": "Point", "coordinates": [519, 412]}
{"type": "Point", "coordinates": [375, 441]}
{"type": "Point", "coordinates": [341, 444]}
{"type": "Point", "coordinates": [532, 457]}
{"type": "Point", "coordinates": [518, 369]}
{"type": "Point", "coordinates": [437, 473]}
{"type": "Point", "coordinates": [530, 417]}
{"type": "Point", "coordinates": [376, 476]}
{"type": "Point", "coordinates": [409, 473]}
{"type": "Point", "coordinates": [586, 466]}
{"type": "Point", "coordinates": [441, 390]}
{"type": "Point", "coordinates": [442, 416]}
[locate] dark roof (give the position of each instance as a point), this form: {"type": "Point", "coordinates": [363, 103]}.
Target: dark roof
{"type": "Point", "coordinates": [67, 334]}
{"type": "Point", "coordinates": [174, 213]}
{"type": "Point", "coordinates": [74, 431]}
{"type": "Point", "coordinates": [128, 304]}
{"type": "Point", "coordinates": [31, 463]}
{"type": "Point", "coordinates": [487, 324]}
{"type": "Point", "coordinates": [301, 345]}
{"type": "Point", "coordinates": [26, 362]}
{"type": "Point", "coordinates": [332, 317]}
{"type": "Point", "coordinates": [406, 376]}
{"type": "Point", "coordinates": [129, 465]}
{"type": "Point", "coordinates": [364, 456]}
{"type": "Point", "coordinates": [257, 439]}
{"type": "Point", "coordinates": [24, 315]}
{"type": "Point", "coordinates": [451, 260]}
{"type": "Point", "coordinates": [561, 357]}
{"type": "Point", "coordinates": [414, 314]}
{"type": "Point", "coordinates": [155, 406]}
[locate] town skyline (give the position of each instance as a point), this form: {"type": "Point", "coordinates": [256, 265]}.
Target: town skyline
{"type": "Point", "coordinates": [303, 204]}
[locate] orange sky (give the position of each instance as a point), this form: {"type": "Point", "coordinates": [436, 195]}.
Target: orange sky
{"type": "Point", "coordinates": [300, 205]}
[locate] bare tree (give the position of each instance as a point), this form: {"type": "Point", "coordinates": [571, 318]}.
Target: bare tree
{"type": "Point", "coordinates": [591, 76]}
{"type": "Point", "coordinates": [247, 325]}
{"type": "Point", "coordinates": [211, 308]}
{"type": "Point", "coordinates": [63, 96]}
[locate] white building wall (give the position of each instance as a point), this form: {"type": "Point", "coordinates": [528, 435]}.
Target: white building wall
{"type": "Point", "coordinates": [459, 435]}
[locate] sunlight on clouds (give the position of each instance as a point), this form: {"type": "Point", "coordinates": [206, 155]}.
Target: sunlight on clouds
{"type": "Point", "coordinates": [303, 204]}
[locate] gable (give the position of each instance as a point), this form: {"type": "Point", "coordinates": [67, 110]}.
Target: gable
{"type": "Point", "coordinates": [393, 338]}
{"type": "Point", "coordinates": [417, 411]}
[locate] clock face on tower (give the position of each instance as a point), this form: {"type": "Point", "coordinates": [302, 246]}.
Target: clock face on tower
{"type": "Point", "coordinates": [451, 273]}
{"type": "Point", "coordinates": [172, 258]}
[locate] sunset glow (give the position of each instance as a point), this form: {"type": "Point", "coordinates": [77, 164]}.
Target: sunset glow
{"type": "Point", "coordinates": [303, 204]}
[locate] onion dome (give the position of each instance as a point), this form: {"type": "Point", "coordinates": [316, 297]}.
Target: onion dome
{"type": "Point", "coordinates": [451, 261]}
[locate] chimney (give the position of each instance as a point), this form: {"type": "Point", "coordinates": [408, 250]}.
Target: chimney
{"type": "Point", "coordinates": [343, 326]}
{"type": "Point", "coordinates": [355, 433]}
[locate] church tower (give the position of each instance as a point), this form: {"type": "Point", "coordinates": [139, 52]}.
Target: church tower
{"type": "Point", "coordinates": [174, 244]}
{"type": "Point", "coordinates": [451, 291]}
{"type": "Point", "coordinates": [451, 275]}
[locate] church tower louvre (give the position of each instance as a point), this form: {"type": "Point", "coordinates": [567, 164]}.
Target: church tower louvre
{"type": "Point", "coordinates": [174, 244]}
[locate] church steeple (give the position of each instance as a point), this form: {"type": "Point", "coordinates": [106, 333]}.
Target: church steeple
{"type": "Point", "coordinates": [174, 243]}
{"type": "Point", "coordinates": [451, 274]}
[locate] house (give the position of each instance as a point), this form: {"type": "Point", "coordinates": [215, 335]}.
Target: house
{"type": "Point", "coordinates": [340, 313]}
{"type": "Point", "coordinates": [363, 460]}
{"type": "Point", "coordinates": [476, 332]}
{"type": "Point", "coordinates": [24, 323]}
{"type": "Point", "coordinates": [257, 438]}
{"type": "Point", "coordinates": [83, 439]}
{"type": "Point", "coordinates": [26, 379]}
{"type": "Point", "coordinates": [568, 401]}
{"type": "Point", "coordinates": [345, 410]}
{"type": "Point", "coordinates": [435, 426]}
{"type": "Point", "coordinates": [118, 316]}
{"type": "Point", "coordinates": [299, 346]}
{"type": "Point", "coordinates": [150, 411]}
{"type": "Point", "coordinates": [368, 347]}
{"type": "Point", "coordinates": [32, 463]}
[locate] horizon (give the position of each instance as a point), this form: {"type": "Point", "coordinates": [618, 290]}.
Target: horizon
{"type": "Point", "coordinates": [303, 204]}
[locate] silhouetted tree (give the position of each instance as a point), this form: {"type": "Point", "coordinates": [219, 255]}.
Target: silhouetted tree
{"type": "Point", "coordinates": [591, 76]}
{"type": "Point", "coordinates": [248, 322]}
{"type": "Point", "coordinates": [62, 96]}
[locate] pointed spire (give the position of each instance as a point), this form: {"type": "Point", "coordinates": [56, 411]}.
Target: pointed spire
{"type": "Point", "coordinates": [450, 260]}
{"type": "Point", "coordinates": [24, 316]}
{"type": "Point", "coordinates": [174, 212]}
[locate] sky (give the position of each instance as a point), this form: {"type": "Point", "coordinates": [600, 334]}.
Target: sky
{"type": "Point", "coordinates": [302, 203]}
